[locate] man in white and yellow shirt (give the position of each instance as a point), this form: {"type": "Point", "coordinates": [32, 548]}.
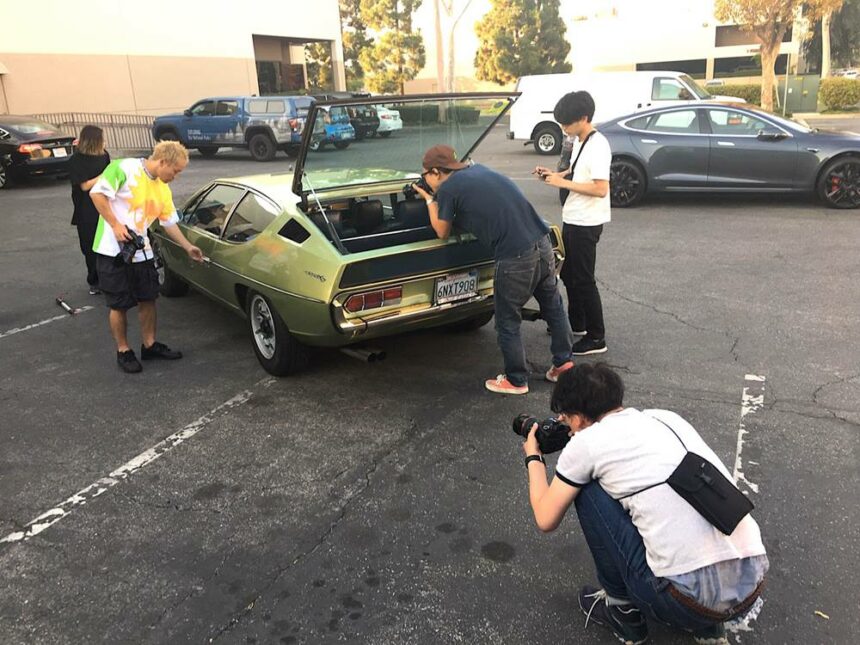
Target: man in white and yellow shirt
{"type": "Point", "coordinates": [132, 194]}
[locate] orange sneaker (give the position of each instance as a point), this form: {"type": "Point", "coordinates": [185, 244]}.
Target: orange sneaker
{"type": "Point", "coordinates": [502, 385]}
{"type": "Point", "coordinates": [554, 372]}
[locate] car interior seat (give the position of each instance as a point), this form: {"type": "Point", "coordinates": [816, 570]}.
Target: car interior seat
{"type": "Point", "coordinates": [412, 213]}
{"type": "Point", "coordinates": [367, 216]}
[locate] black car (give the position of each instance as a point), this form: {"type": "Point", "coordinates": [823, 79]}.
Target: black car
{"type": "Point", "coordinates": [720, 147]}
{"type": "Point", "coordinates": [29, 147]}
{"type": "Point", "coordinates": [363, 118]}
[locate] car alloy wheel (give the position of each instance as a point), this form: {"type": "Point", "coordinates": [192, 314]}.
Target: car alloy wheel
{"type": "Point", "coordinates": [626, 183]}
{"type": "Point", "coordinates": [276, 349]}
{"type": "Point", "coordinates": [263, 326]}
{"type": "Point", "coordinates": [4, 176]}
{"type": "Point", "coordinates": [839, 185]}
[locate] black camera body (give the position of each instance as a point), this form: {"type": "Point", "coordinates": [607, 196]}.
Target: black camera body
{"type": "Point", "coordinates": [552, 435]}
{"type": "Point", "coordinates": [409, 189]}
{"type": "Point", "coordinates": [132, 246]}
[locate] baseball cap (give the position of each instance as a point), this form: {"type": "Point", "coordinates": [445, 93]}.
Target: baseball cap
{"type": "Point", "coordinates": [442, 156]}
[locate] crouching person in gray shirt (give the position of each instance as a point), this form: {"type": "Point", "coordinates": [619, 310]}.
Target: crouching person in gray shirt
{"type": "Point", "coordinates": [656, 556]}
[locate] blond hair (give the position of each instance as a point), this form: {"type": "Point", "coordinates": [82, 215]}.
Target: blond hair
{"type": "Point", "coordinates": [171, 152]}
{"type": "Point", "coordinates": [91, 140]}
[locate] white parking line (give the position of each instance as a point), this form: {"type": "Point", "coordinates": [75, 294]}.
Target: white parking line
{"type": "Point", "coordinates": [752, 401]}
{"type": "Point", "coordinates": [18, 330]}
{"type": "Point", "coordinates": [64, 508]}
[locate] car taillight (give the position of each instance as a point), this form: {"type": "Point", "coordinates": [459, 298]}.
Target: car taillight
{"type": "Point", "coordinates": [27, 148]}
{"type": "Point", "coordinates": [373, 299]}
{"type": "Point", "coordinates": [385, 116]}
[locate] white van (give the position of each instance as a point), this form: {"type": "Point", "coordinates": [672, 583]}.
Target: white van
{"type": "Point", "coordinates": [615, 94]}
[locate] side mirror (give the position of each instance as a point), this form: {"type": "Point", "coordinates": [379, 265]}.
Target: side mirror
{"type": "Point", "coordinates": [187, 112]}
{"type": "Point", "coordinates": [771, 135]}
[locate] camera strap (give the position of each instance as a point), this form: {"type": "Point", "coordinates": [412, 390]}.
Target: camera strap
{"type": "Point", "coordinates": [665, 480]}
{"type": "Point", "coordinates": [564, 192]}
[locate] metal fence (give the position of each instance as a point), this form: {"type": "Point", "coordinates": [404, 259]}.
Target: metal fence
{"type": "Point", "coordinates": [122, 131]}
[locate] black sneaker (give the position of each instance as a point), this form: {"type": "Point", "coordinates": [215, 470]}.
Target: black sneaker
{"type": "Point", "coordinates": [128, 362]}
{"type": "Point", "coordinates": [94, 290]}
{"type": "Point", "coordinates": [159, 350]}
{"type": "Point", "coordinates": [626, 622]}
{"type": "Point", "coordinates": [585, 346]}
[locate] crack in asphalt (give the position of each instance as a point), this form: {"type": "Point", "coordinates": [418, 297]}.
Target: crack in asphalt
{"type": "Point", "coordinates": [167, 505]}
{"type": "Point", "coordinates": [362, 484]}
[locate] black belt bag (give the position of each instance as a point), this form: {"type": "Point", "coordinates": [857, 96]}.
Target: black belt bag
{"type": "Point", "coordinates": [707, 490]}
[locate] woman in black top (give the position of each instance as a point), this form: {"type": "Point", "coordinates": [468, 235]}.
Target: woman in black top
{"type": "Point", "coordinates": [85, 167]}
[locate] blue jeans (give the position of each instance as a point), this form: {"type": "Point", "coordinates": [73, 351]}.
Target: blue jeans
{"type": "Point", "coordinates": [517, 279]}
{"type": "Point", "coordinates": [619, 557]}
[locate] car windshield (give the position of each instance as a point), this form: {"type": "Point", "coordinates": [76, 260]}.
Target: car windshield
{"type": "Point", "coordinates": [34, 127]}
{"type": "Point", "coordinates": [698, 90]}
{"type": "Point", "coordinates": [342, 156]}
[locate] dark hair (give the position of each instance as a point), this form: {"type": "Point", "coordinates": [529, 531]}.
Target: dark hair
{"type": "Point", "coordinates": [589, 390]}
{"type": "Point", "coordinates": [91, 140]}
{"type": "Point", "coordinates": [573, 106]}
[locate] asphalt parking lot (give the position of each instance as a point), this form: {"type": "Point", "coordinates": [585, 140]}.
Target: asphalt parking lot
{"type": "Point", "coordinates": [387, 503]}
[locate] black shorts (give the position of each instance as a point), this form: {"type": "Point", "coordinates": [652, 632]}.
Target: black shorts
{"type": "Point", "coordinates": [124, 285]}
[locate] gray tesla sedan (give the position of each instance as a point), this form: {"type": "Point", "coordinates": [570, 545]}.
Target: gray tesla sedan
{"type": "Point", "coordinates": [712, 147]}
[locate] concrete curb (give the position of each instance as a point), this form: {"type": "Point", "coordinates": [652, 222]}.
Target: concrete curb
{"type": "Point", "coordinates": [819, 115]}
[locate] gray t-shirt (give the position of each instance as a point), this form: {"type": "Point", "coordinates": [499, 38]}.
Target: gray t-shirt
{"type": "Point", "coordinates": [630, 450]}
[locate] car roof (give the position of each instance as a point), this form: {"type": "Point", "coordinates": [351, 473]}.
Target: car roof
{"type": "Point", "coordinates": [12, 120]}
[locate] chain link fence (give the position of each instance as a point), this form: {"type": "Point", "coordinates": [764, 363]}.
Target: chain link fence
{"type": "Point", "coordinates": [122, 131]}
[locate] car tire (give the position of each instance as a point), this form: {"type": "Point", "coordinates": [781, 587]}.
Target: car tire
{"type": "Point", "coordinates": [5, 179]}
{"type": "Point", "coordinates": [170, 285]}
{"type": "Point", "coordinates": [316, 146]}
{"type": "Point", "coordinates": [385, 134]}
{"type": "Point", "coordinates": [167, 135]}
{"type": "Point", "coordinates": [342, 145]}
{"type": "Point", "coordinates": [627, 183]}
{"type": "Point", "coordinates": [470, 324]}
{"type": "Point", "coordinates": [547, 140]}
{"type": "Point", "coordinates": [208, 151]}
{"type": "Point", "coordinates": [262, 147]}
{"type": "Point", "coordinates": [839, 183]}
{"type": "Point", "coordinates": [276, 349]}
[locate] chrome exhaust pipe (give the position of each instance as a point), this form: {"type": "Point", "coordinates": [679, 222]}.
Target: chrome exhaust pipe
{"type": "Point", "coordinates": [365, 354]}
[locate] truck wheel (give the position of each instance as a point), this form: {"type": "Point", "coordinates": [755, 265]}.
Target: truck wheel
{"type": "Point", "coordinates": [342, 145]}
{"type": "Point", "coordinates": [208, 151]}
{"type": "Point", "coordinates": [276, 349]}
{"type": "Point", "coordinates": [262, 147]}
{"type": "Point", "coordinates": [547, 140]}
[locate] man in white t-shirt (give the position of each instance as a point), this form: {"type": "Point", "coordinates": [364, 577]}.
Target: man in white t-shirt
{"type": "Point", "coordinates": [584, 213]}
{"type": "Point", "coordinates": [655, 555]}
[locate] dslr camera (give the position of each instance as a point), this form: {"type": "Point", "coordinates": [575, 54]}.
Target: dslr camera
{"type": "Point", "coordinates": [132, 246]}
{"type": "Point", "coordinates": [409, 189]}
{"type": "Point", "coordinates": [552, 434]}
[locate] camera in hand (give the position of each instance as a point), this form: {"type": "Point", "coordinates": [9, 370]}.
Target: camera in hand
{"type": "Point", "coordinates": [132, 246]}
{"type": "Point", "coordinates": [552, 434]}
{"type": "Point", "coordinates": [409, 189]}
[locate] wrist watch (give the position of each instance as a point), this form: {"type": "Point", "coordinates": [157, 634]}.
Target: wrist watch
{"type": "Point", "coordinates": [532, 458]}
{"type": "Point", "coordinates": [429, 200]}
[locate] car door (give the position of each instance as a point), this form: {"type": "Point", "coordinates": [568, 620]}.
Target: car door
{"type": "Point", "coordinates": [203, 226]}
{"type": "Point", "coordinates": [228, 254]}
{"type": "Point", "coordinates": [223, 128]}
{"type": "Point", "coordinates": [197, 122]}
{"type": "Point", "coordinates": [673, 147]}
{"type": "Point", "coordinates": [740, 158]}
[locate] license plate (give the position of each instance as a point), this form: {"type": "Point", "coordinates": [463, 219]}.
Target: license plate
{"type": "Point", "coordinates": [59, 152]}
{"type": "Point", "coordinates": [456, 286]}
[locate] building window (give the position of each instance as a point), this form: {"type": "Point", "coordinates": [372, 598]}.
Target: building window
{"type": "Point", "coordinates": [694, 67]}
{"type": "Point", "coordinates": [269, 77]}
{"type": "Point", "coordinates": [733, 35]}
{"type": "Point", "coordinates": [745, 66]}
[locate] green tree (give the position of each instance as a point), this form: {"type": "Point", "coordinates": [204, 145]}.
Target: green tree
{"type": "Point", "coordinates": [844, 38]}
{"type": "Point", "coordinates": [519, 37]}
{"type": "Point", "coordinates": [319, 67]}
{"type": "Point", "coordinates": [353, 31]}
{"type": "Point", "coordinates": [768, 20]}
{"type": "Point", "coordinates": [398, 55]}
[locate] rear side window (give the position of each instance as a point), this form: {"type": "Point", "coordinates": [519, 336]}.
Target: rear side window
{"type": "Point", "coordinates": [728, 122]}
{"type": "Point", "coordinates": [211, 212]}
{"type": "Point", "coordinates": [678, 122]}
{"type": "Point", "coordinates": [251, 217]}
{"type": "Point", "coordinates": [266, 106]}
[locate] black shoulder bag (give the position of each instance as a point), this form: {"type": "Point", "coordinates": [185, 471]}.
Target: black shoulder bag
{"type": "Point", "coordinates": [564, 192]}
{"type": "Point", "coordinates": [706, 489]}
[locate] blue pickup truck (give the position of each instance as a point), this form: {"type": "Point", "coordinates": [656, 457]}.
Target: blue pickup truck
{"type": "Point", "coordinates": [262, 124]}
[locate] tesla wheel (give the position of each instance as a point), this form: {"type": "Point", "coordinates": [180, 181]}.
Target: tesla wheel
{"type": "Point", "coordinates": [208, 151]}
{"type": "Point", "coordinates": [276, 349]}
{"type": "Point", "coordinates": [167, 135]}
{"type": "Point", "coordinates": [471, 324]}
{"type": "Point", "coordinates": [839, 185]}
{"type": "Point", "coordinates": [342, 145]}
{"type": "Point", "coordinates": [547, 140]}
{"type": "Point", "coordinates": [170, 285]}
{"type": "Point", "coordinates": [262, 147]}
{"type": "Point", "coordinates": [626, 183]}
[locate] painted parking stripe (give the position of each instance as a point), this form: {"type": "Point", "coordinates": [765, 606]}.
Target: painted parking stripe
{"type": "Point", "coordinates": [752, 400]}
{"type": "Point", "coordinates": [64, 508]}
{"type": "Point", "coordinates": [18, 330]}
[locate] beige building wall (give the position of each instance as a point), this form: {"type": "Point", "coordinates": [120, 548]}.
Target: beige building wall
{"type": "Point", "coordinates": [147, 59]}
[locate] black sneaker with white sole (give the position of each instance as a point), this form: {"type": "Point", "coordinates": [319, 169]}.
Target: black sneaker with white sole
{"type": "Point", "coordinates": [159, 350]}
{"type": "Point", "coordinates": [128, 362]}
{"type": "Point", "coordinates": [626, 622]}
{"type": "Point", "coordinates": [586, 346]}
